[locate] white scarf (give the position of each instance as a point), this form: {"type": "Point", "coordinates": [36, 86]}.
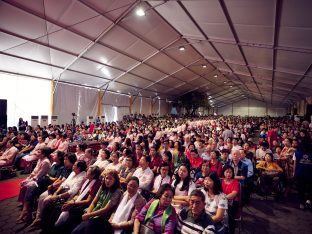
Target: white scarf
{"type": "Point", "coordinates": [83, 192]}
{"type": "Point", "coordinates": [123, 211]}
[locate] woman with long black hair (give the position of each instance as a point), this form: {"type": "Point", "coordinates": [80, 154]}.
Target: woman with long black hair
{"type": "Point", "coordinates": [216, 201]}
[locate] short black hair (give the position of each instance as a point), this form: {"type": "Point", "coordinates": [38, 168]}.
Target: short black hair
{"type": "Point", "coordinates": [162, 189]}
{"type": "Point", "coordinates": [82, 165]}
{"type": "Point", "coordinates": [169, 155]}
{"type": "Point", "coordinates": [198, 193]}
{"type": "Point", "coordinates": [147, 158]}
{"type": "Point", "coordinates": [226, 167]}
{"type": "Point", "coordinates": [135, 179]}
{"type": "Point", "coordinates": [46, 151]}
{"type": "Point", "coordinates": [71, 157]}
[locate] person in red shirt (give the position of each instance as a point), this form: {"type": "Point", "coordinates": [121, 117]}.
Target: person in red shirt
{"type": "Point", "coordinates": [230, 188]}
{"type": "Point", "coordinates": [167, 158]}
{"type": "Point", "coordinates": [214, 163]}
{"type": "Point", "coordinates": [155, 159]}
{"type": "Point", "coordinates": [272, 135]}
{"type": "Point", "coordinates": [195, 159]}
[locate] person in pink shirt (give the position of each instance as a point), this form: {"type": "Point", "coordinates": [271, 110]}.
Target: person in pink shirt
{"type": "Point", "coordinates": [29, 185]}
{"type": "Point", "coordinates": [9, 154]}
{"type": "Point", "coordinates": [33, 155]}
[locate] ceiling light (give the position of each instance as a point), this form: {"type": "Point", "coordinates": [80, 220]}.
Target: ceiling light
{"type": "Point", "coordinates": [215, 76]}
{"type": "Point", "coordinates": [209, 97]}
{"type": "Point", "coordinates": [224, 82]}
{"type": "Point", "coordinates": [231, 86]}
{"type": "Point", "coordinates": [204, 66]}
{"type": "Point", "coordinates": [181, 48]}
{"type": "Point", "coordinates": [118, 91]}
{"type": "Point", "coordinates": [105, 71]}
{"type": "Point", "coordinates": [140, 12]}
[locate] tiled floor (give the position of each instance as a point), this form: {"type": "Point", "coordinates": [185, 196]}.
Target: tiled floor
{"type": "Point", "coordinates": [260, 216]}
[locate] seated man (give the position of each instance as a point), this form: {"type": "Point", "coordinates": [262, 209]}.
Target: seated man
{"type": "Point", "coordinates": [131, 204]}
{"type": "Point", "coordinates": [194, 219]}
{"type": "Point", "coordinates": [144, 173]}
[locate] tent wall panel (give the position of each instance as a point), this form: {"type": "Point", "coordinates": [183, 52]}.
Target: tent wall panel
{"type": "Point", "coordinates": [251, 108]}
{"type": "Point", "coordinates": [70, 99]}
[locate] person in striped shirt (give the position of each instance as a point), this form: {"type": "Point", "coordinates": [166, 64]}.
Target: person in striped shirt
{"type": "Point", "coordinates": [194, 219]}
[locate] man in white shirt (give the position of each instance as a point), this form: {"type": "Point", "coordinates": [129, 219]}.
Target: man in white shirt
{"type": "Point", "coordinates": [263, 150]}
{"type": "Point", "coordinates": [144, 173]}
{"type": "Point", "coordinates": [163, 177]}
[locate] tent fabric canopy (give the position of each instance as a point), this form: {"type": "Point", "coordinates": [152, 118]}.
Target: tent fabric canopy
{"type": "Point", "coordinates": [233, 49]}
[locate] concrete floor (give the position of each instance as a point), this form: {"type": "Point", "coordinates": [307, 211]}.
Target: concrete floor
{"type": "Point", "coordinates": [260, 216]}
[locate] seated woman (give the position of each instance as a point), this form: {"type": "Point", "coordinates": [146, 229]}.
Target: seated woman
{"type": "Point", "coordinates": [95, 220]}
{"type": "Point", "coordinates": [61, 144]}
{"type": "Point", "coordinates": [183, 185]}
{"type": "Point", "coordinates": [29, 185]}
{"type": "Point", "coordinates": [114, 165]}
{"type": "Point", "coordinates": [53, 174]}
{"type": "Point", "coordinates": [7, 158]}
{"type": "Point", "coordinates": [216, 201]}
{"type": "Point", "coordinates": [125, 152]}
{"type": "Point", "coordinates": [88, 157]}
{"type": "Point", "coordinates": [51, 140]}
{"type": "Point", "coordinates": [102, 159]}
{"type": "Point", "coordinates": [80, 151]}
{"type": "Point", "coordinates": [269, 173]}
{"type": "Point", "coordinates": [127, 171]}
{"type": "Point", "coordinates": [157, 215]}
{"type": "Point", "coordinates": [69, 161]}
{"type": "Point", "coordinates": [44, 181]}
{"type": "Point", "coordinates": [66, 190]}
{"type": "Point", "coordinates": [230, 188]}
{"type": "Point", "coordinates": [32, 156]}
{"type": "Point", "coordinates": [26, 150]}
{"type": "Point", "coordinates": [204, 171]}
{"type": "Point", "coordinates": [73, 209]}
{"type": "Point", "coordinates": [214, 163]}
{"type": "Point", "coordinates": [167, 158]}
{"type": "Point", "coordinates": [131, 204]}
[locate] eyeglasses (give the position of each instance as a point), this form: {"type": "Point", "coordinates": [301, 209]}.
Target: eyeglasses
{"type": "Point", "coordinates": [128, 159]}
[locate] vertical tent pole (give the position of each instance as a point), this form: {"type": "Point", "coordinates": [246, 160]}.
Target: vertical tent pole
{"type": "Point", "coordinates": [99, 107]}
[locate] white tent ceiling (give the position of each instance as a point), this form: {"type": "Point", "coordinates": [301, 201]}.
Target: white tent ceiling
{"type": "Point", "coordinates": [260, 49]}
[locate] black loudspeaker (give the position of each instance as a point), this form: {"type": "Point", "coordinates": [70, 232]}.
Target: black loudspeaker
{"type": "Point", "coordinates": [3, 113]}
{"type": "Point", "coordinates": [309, 112]}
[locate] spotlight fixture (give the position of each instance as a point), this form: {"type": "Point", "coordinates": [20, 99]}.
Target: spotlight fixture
{"type": "Point", "coordinates": [204, 66]}
{"type": "Point", "coordinates": [140, 12]}
{"type": "Point", "coordinates": [224, 82]}
{"type": "Point", "coordinates": [181, 48]}
{"type": "Point", "coordinates": [215, 76]}
{"type": "Point", "coordinates": [231, 86]}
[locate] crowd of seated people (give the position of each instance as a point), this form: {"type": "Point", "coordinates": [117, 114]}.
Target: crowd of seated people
{"type": "Point", "coordinates": [152, 174]}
